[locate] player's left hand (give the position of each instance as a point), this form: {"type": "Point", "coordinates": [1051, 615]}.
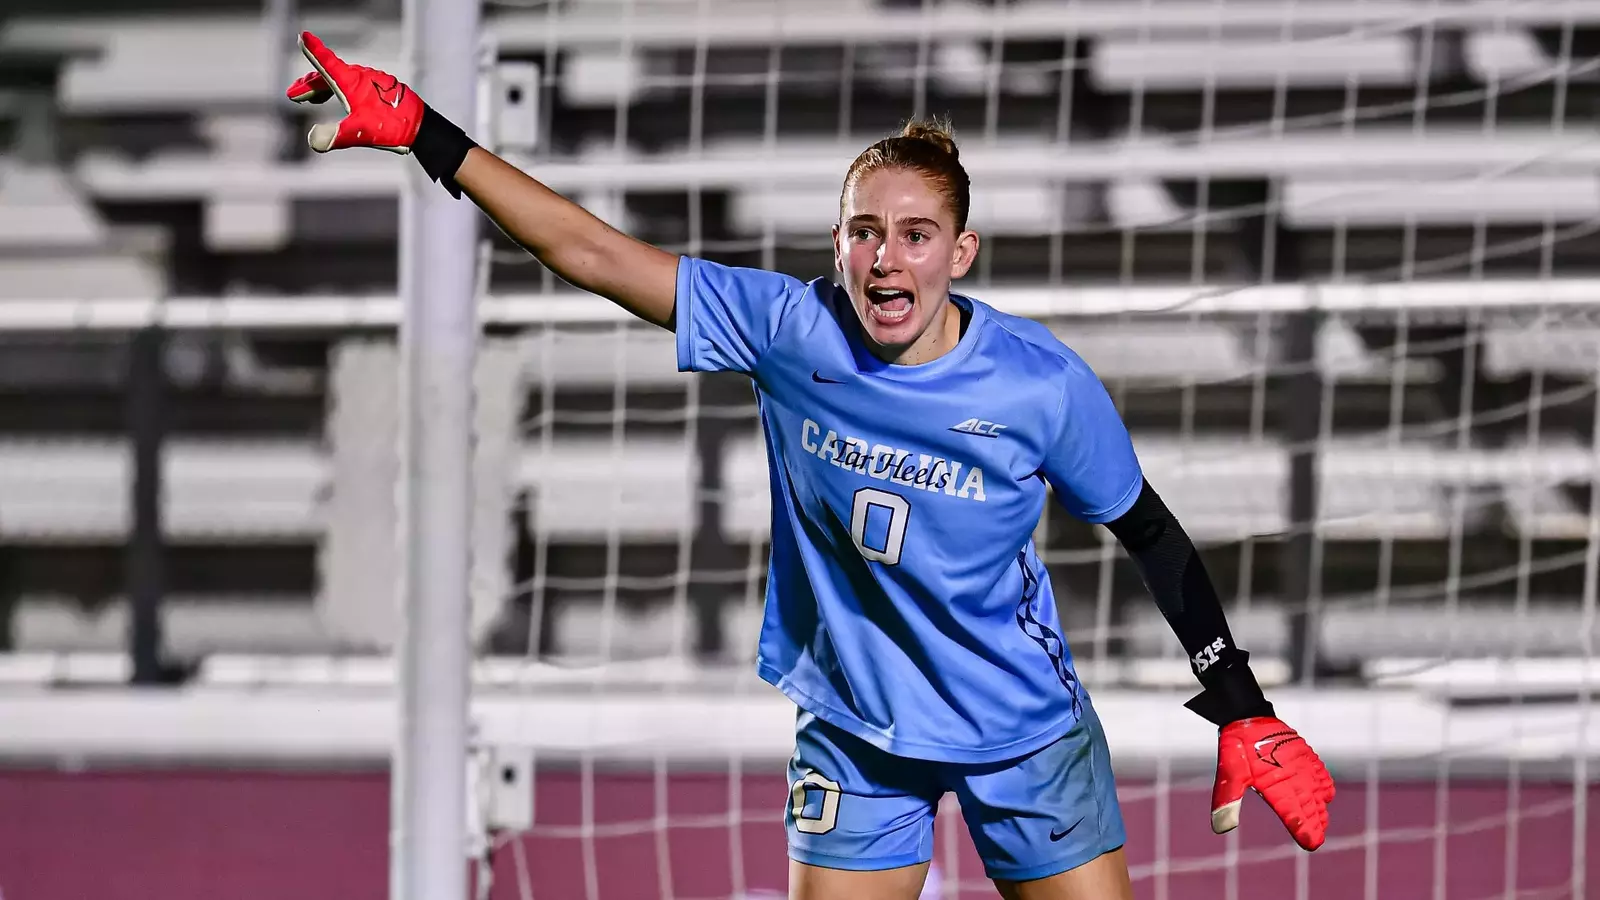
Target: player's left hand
{"type": "Point", "coordinates": [1265, 754]}
{"type": "Point", "coordinates": [380, 111]}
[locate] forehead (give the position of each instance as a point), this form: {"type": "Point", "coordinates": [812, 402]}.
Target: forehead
{"type": "Point", "coordinates": [891, 193]}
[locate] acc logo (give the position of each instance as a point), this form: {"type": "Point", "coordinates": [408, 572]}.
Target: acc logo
{"type": "Point", "coordinates": [979, 427]}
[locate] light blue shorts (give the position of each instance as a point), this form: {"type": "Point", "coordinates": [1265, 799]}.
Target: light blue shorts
{"type": "Point", "coordinates": [853, 806]}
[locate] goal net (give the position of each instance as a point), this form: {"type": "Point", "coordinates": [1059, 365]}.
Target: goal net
{"type": "Point", "coordinates": [1336, 263]}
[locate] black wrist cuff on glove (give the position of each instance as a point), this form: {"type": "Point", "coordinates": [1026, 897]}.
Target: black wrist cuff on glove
{"type": "Point", "coordinates": [1231, 692]}
{"type": "Point", "coordinates": [441, 147]}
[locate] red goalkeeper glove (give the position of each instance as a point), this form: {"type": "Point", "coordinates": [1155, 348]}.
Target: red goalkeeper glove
{"type": "Point", "coordinates": [380, 112]}
{"type": "Point", "coordinates": [1265, 754]}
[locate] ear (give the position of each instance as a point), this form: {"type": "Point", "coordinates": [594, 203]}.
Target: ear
{"type": "Point", "coordinates": [838, 251]}
{"type": "Point", "coordinates": [966, 253]}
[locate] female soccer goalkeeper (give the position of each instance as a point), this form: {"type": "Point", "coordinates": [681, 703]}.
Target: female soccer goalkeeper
{"type": "Point", "coordinates": [912, 436]}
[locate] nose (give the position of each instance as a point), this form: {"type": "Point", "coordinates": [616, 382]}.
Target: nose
{"type": "Point", "coordinates": [887, 259]}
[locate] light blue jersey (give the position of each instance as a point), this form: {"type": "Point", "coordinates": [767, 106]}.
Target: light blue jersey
{"type": "Point", "coordinates": [906, 604]}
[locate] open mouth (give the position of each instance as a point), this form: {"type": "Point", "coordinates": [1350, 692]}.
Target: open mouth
{"type": "Point", "coordinates": [889, 305]}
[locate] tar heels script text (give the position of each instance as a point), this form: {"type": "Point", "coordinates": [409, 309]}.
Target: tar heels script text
{"type": "Point", "coordinates": [923, 471]}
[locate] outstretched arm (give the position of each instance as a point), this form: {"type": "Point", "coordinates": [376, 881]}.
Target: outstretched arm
{"type": "Point", "coordinates": [571, 242]}
{"type": "Point", "coordinates": [384, 114]}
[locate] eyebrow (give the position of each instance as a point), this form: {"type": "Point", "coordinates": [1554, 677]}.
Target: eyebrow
{"type": "Point", "coordinates": [904, 221]}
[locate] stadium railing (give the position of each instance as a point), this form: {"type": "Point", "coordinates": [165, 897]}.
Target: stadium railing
{"type": "Point", "coordinates": [339, 710]}
{"type": "Point", "coordinates": [1398, 484]}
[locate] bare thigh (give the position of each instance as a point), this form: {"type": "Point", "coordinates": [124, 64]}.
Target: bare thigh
{"type": "Point", "coordinates": [817, 883]}
{"type": "Point", "coordinates": [1103, 878]}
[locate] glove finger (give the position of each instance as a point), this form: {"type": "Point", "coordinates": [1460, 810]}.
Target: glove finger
{"type": "Point", "coordinates": [1328, 791]}
{"type": "Point", "coordinates": [1313, 832]}
{"type": "Point", "coordinates": [322, 136]}
{"type": "Point", "coordinates": [326, 136]}
{"type": "Point", "coordinates": [1227, 793]}
{"type": "Point", "coordinates": [310, 88]}
{"type": "Point", "coordinates": [335, 71]}
{"type": "Point", "coordinates": [1316, 831]}
{"type": "Point", "coordinates": [1305, 758]}
{"type": "Point", "coordinates": [1301, 811]}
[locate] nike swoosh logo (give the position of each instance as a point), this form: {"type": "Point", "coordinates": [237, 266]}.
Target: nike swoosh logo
{"type": "Point", "coordinates": [819, 379]}
{"type": "Point", "coordinates": [383, 93]}
{"type": "Point", "coordinates": [1058, 835]}
{"type": "Point", "coordinates": [1277, 741]}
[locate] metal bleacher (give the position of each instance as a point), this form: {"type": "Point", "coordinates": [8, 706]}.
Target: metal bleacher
{"type": "Point", "coordinates": [1116, 149]}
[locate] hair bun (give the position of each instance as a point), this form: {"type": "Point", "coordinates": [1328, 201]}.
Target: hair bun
{"type": "Point", "coordinates": [934, 132]}
{"type": "Point", "coordinates": [925, 147]}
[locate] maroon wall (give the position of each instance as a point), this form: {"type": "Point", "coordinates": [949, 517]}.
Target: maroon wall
{"type": "Point", "coordinates": [207, 834]}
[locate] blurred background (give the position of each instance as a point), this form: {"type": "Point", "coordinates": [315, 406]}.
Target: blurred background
{"type": "Point", "coordinates": [1338, 263]}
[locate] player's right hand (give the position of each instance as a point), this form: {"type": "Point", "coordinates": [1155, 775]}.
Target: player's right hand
{"type": "Point", "coordinates": [380, 111]}
{"type": "Point", "coordinates": [1269, 756]}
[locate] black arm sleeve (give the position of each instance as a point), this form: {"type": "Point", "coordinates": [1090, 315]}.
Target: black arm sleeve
{"type": "Point", "coordinates": [1175, 576]}
{"type": "Point", "coordinates": [441, 147]}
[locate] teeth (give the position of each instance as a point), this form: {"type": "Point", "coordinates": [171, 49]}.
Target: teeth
{"type": "Point", "coordinates": [889, 304]}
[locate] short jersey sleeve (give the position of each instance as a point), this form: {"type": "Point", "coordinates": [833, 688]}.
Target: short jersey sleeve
{"type": "Point", "coordinates": [726, 318]}
{"type": "Point", "coordinates": [1091, 464]}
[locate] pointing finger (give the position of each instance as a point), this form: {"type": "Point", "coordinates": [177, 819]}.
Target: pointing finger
{"type": "Point", "coordinates": [335, 71]}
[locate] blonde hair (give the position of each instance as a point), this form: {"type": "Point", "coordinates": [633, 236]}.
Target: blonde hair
{"type": "Point", "coordinates": [928, 148]}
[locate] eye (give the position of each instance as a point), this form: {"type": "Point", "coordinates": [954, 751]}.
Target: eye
{"type": "Point", "coordinates": [862, 234]}
{"type": "Point", "coordinates": [917, 237]}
